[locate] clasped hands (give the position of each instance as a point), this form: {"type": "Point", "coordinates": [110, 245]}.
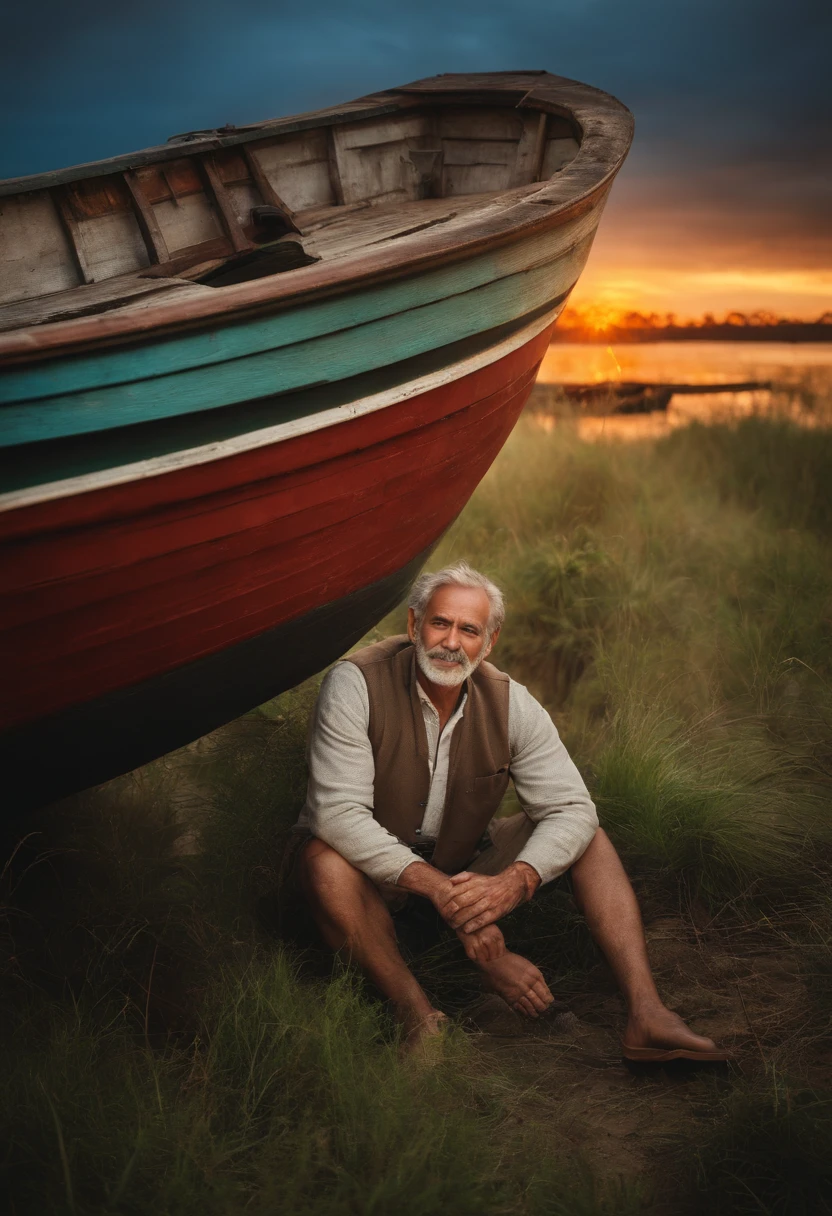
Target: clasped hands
{"type": "Point", "coordinates": [472, 903]}
{"type": "Point", "coordinates": [477, 900]}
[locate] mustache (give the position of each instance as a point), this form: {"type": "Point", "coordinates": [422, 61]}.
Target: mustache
{"type": "Point", "coordinates": [449, 656]}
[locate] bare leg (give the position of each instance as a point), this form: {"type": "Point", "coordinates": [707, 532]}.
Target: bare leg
{"type": "Point", "coordinates": [607, 900]}
{"type": "Point", "coordinates": [353, 920]}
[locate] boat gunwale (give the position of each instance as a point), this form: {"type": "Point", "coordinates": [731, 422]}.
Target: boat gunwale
{"type": "Point", "coordinates": [606, 127]}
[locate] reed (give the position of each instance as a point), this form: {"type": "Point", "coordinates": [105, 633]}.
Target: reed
{"type": "Point", "coordinates": [768, 1151]}
{"type": "Point", "coordinates": [164, 1053]}
{"type": "Point", "coordinates": [680, 636]}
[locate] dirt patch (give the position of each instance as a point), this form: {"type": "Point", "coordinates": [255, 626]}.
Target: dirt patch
{"type": "Point", "coordinates": [566, 1074]}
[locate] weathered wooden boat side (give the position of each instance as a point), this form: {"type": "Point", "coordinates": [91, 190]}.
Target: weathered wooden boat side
{"type": "Point", "coordinates": [234, 373]}
{"type": "Point", "coordinates": [209, 492]}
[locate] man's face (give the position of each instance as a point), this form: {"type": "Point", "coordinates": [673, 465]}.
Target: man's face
{"type": "Point", "coordinates": [452, 639]}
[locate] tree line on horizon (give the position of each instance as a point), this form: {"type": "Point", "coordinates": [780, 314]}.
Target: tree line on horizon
{"type": "Point", "coordinates": [591, 323]}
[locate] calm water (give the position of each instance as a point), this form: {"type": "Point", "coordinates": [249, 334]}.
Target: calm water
{"type": "Point", "coordinates": [800, 373]}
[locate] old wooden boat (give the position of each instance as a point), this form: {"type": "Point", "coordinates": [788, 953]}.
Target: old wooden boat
{"type": "Point", "coordinates": [248, 379]}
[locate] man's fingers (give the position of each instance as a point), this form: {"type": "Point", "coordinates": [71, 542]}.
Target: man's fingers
{"type": "Point", "coordinates": [465, 897]}
{"type": "Point", "coordinates": [479, 922]}
{"type": "Point", "coordinates": [537, 1000]}
{"type": "Point", "coordinates": [542, 989]}
{"type": "Point", "coordinates": [524, 1005]}
{"type": "Point", "coordinates": [467, 916]}
{"type": "Point", "coordinates": [467, 891]}
{"type": "Point", "coordinates": [462, 899]}
{"type": "Point", "coordinates": [462, 877]}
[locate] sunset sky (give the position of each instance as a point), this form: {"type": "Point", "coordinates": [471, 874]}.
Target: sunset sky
{"type": "Point", "coordinates": [723, 204]}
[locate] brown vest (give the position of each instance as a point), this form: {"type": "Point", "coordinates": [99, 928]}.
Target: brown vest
{"type": "Point", "coordinates": [479, 761]}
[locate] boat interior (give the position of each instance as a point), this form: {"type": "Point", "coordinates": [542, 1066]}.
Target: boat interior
{"type": "Point", "coordinates": [198, 216]}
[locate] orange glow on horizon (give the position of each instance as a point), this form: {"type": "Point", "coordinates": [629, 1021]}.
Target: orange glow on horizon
{"type": "Point", "coordinates": [597, 319]}
{"type": "Point", "coordinates": [608, 291]}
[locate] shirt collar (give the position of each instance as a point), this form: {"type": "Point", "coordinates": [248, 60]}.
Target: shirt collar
{"type": "Point", "coordinates": [423, 696]}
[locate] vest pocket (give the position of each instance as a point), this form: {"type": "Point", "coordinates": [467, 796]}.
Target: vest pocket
{"type": "Point", "coordinates": [487, 786]}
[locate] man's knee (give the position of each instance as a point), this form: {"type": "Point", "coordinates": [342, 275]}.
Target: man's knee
{"type": "Point", "coordinates": [317, 860]}
{"type": "Point", "coordinates": [599, 862]}
{"type": "Point", "coordinates": [600, 843]}
{"type": "Point", "coordinates": [322, 870]}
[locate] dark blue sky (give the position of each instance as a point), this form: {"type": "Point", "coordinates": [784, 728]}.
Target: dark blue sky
{"type": "Point", "coordinates": [730, 171]}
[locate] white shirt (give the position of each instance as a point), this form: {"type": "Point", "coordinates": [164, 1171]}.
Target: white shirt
{"type": "Point", "coordinates": [339, 800]}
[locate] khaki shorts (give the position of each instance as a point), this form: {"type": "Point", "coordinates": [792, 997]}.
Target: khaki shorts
{"type": "Point", "coordinates": [508, 838]}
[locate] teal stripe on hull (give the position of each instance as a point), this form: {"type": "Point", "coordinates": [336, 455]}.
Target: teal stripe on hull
{"type": "Point", "coordinates": [36, 464]}
{"type": "Point", "coordinates": [234, 340]}
{"type": "Point", "coordinates": [336, 356]}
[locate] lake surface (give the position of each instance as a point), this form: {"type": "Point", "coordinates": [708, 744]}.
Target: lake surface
{"type": "Point", "coordinates": [800, 375]}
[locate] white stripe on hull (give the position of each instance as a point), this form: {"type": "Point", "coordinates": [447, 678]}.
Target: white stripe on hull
{"type": "Point", "coordinates": [188, 457]}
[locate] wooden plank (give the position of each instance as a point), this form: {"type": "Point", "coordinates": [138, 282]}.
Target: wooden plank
{"type": "Point", "coordinates": [477, 178]}
{"type": "Point", "coordinates": [137, 486]}
{"type": "Point", "coordinates": [239, 241]}
{"type": "Point", "coordinates": [558, 154]}
{"type": "Point", "coordinates": [167, 178]}
{"type": "Point", "coordinates": [333, 169]}
{"type": "Point", "coordinates": [267, 191]}
{"type": "Point", "coordinates": [299, 169]}
{"type": "Point", "coordinates": [363, 136]}
{"type": "Point", "coordinates": [226, 602]}
{"type": "Point", "coordinates": [482, 123]}
{"type": "Point", "coordinates": [297, 573]}
{"type": "Point", "coordinates": [580, 190]}
{"type": "Point", "coordinates": [386, 341]}
{"type": "Point", "coordinates": [157, 250]}
{"type": "Point", "coordinates": [315, 218]}
{"type": "Point", "coordinates": [98, 197]}
{"type": "Point", "coordinates": [259, 334]}
{"type": "Point", "coordinates": [93, 742]}
{"type": "Point", "coordinates": [170, 182]}
{"type": "Point", "coordinates": [63, 204]}
{"type": "Point", "coordinates": [539, 146]}
{"type": "Point", "coordinates": [166, 152]}
{"type": "Point", "coordinates": [83, 301]}
{"type": "Point", "coordinates": [235, 478]}
{"type": "Point", "coordinates": [119, 550]}
{"type": "Point", "coordinates": [39, 259]}
{"type": "Point", "coordinates": [480, 152]}
{"type": "Point", "coordinates": [139, 555]}
{"type": "Point", "coordinates": [194, 255]}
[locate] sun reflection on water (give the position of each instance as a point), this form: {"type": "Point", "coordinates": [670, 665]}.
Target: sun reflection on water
{"type": "Point", "coordinates": [800, 375]}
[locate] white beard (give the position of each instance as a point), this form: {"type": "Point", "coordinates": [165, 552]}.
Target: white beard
{"type": "Point", "coordinates": [447, 677]}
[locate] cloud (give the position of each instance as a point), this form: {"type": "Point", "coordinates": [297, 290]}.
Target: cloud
{"type": "Point", "coordinates": [730, 97]}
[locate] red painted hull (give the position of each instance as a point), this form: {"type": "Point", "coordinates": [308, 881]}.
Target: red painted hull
{"type": "Point", "coordinates": [116, 586]}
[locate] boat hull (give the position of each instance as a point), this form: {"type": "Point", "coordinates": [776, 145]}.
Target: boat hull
{"type": "Point", "coordinates": [226, 448]}
{"type": "Point", "coordinates": [146, 612]}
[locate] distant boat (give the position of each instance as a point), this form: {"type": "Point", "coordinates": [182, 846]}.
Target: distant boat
{"type": "Point", "coordinates": [248, 379]}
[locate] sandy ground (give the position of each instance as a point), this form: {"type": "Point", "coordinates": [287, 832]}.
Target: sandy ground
{"type": "Point", "coordinates": [636, 1123]}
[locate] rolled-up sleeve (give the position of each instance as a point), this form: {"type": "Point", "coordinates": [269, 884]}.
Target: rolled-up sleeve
{"type": "Point", "coordinates": [339, 800]}
{"type": "Point", "coordinates": [549, 787]}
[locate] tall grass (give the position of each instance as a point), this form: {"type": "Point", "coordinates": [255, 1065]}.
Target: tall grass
{"type": "Point", "coordinates": [673, 608]}
{"type": "Point", "coordinates": [769, 1152]}
{"type": "Point", "coordinates": [671, 605]}
{"type": "Point", "coordinates": [291, 1099]}
{"type": "Point", "coordinates": [160, 1053]}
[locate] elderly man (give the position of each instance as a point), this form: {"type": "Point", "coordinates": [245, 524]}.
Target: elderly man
{"type": "Point", "coordinates": [413, 743]}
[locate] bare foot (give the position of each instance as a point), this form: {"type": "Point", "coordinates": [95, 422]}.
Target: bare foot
{"type": "Point", "coordinates": [659, 1029]}
{"type": "Point", "coordinates": [518, 982]}
{"type": "Point", "coordinates": [416, 1031]}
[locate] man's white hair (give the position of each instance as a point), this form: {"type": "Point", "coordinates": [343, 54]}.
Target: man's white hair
{"type": "Point", "coordinates": [458, 575]}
